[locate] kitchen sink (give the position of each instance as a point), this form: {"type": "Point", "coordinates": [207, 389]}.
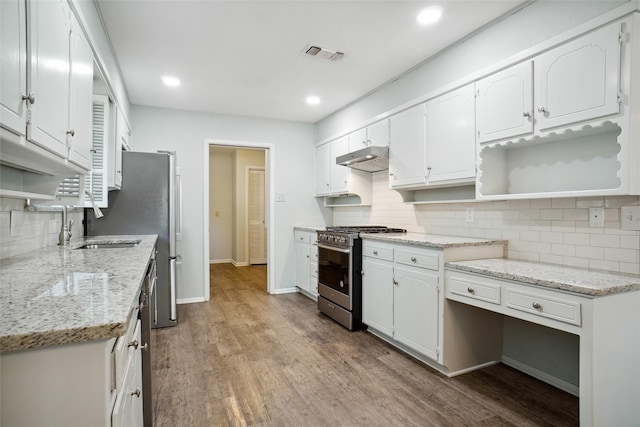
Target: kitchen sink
{"type": "Point", "coordinates": [102, 244]}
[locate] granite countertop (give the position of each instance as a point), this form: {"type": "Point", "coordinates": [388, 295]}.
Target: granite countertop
{"type": "Point", "coordinates": [309, 227]}
{"type": "Point", "coordinates": [575, 280]}
{"type": "Point", "coordinates": [60, 295]}
{"type": "Point", "coordinates": [432, 240]}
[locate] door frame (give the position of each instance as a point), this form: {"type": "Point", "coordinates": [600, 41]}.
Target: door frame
{"type": "Point", "coordinates": [248, 170]}
{"type": "Point", "coordinates": [269, 211]}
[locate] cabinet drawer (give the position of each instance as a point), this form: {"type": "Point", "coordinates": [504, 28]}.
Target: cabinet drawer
{"type": "Point", "coordinates": [545, 306]}
{"type": "Point", "coordinates": [379, 252]}
{"type": "Point", "coordinates": [473, 289]}
{"type": "Point", "coordinates": [417, 259]}
{"type": "Point", "coordinates": [122, 346]}
{"type": "Point", "coordinates": [304, 236]}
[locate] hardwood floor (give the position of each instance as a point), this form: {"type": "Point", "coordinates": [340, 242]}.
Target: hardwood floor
{"type": "Point", "coordinates": [247, 358]}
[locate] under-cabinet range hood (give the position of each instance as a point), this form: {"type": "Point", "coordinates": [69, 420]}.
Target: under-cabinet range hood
{"type": "Point", "coordinates": [369, 159]}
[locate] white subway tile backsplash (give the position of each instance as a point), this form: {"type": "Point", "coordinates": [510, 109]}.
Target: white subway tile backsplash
{"type": "Point", "coordinates": [545, 230]}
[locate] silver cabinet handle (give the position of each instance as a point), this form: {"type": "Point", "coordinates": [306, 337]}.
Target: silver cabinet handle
{"type": "Point", "coordinates": [136, 393]}
{"type": "Point", "coordinates": [395, 282]}
{"type": "Point", "coordinates": [413, 259]}
{"type": "Point", "coordinates": [541, 109]}
{"type": "Point", "coordinates": [375, 252]}
{"type": "Point", "coordinates": [134, 344]}
{"type": "Point", "coordinates": [471, 290]}
{"type": "Point", "coordinates": [526, 114]}
{"type": "Point", "coordinates": [145, 346]}
{"type": "Point", "coordinates": [71, 132]}
{"type": "Point", "coordinates": [31, 98]}
{"type": "Point", "coordinates": [537, 306]}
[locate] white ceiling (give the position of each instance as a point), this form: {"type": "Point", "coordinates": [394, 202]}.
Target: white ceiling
{"type": "Point", "coordinates": [245, 57]}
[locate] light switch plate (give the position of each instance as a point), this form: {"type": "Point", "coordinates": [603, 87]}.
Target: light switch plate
{"type": "Point", "coordinates": [470, 215]}
{"type": "Point", "coordinates": [630, 217]}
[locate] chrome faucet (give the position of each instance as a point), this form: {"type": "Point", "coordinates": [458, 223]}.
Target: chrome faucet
{"type": "Point", "coordinates": [65, 232]}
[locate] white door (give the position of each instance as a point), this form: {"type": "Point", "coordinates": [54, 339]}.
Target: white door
{"type": "Point", "coordinates": [13, 63]}
{"type": "Point", "coordinates": [451, 139]}
{"type": "Point", "coordinates": [407, 148]}
{"type": "Point", "coordinates": [504, 107]}
{"type": "Point", "coordinates": [339, 174]}
{"type": "Point", "coordinates": [257, 226]}
{"type": "Point", "coordinates": [416, 310]}
{"type": "Point", "coordinates": [80, 108]}
{"type": "Point", "coordinates": [49, 75]}
{"type": "Point", "coordinates": [579, 80]}
{"type": "Point", "coordinates": [377, 295]}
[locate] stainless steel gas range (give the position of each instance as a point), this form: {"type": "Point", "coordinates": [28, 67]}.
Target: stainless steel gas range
{"type": "Point", "coordinates": [340, 272]}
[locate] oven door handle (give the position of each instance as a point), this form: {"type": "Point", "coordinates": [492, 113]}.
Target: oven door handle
{"type": "Point", "coordinates": [331, 248]}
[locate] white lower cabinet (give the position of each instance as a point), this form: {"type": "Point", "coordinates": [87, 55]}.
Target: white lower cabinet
{"type": "Point", "coordinates": [306, 262]}
{"type": "Point", "coordinates": [92, 383]}
{"type": "Point", "coordinates": [401, 300]}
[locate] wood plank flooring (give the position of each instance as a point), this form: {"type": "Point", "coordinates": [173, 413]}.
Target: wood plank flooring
{"type": "Point", "coordinates": [247, 358]}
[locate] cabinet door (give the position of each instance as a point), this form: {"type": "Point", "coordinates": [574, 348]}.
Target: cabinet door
{"type": "Point", "coordinates": [81, 95]}
{"type": "Point", "coordinates": [416, 309]}
{"type": "Point", "coordinates": [451, 140]}
{"type": "Point", "coordinates": [378, 134]}
{"type": "Point", "coordinates": [377, 295]}
{"type": "Point", "coordinates": [13, 63]}
{"type": "Point", "coordinates": [323, 168]}
{"type": "Point", "coordinates": [579, 80]}
{"type": "Point", "coordinates": [357, 140]}
{"type": "Point", "coordinates": [303, 266]}
{"type": "Point", "coordinates": [407, 148]}
{"type": "Point", "coordinates": [339, 174]}
{"type": "Point", "coordinates": [48, 77]}
{"type": "Point", "coordinates": [504, 107]}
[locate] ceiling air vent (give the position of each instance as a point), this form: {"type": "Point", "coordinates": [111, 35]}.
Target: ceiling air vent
{"type": "Point", "coordinates": [323, 52]}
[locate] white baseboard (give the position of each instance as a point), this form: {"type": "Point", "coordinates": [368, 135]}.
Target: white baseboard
{"type": "Point", "coordinates": [285, 291]}
{"type": "Point", "coordinates": [220, 261]}
{"type": "Point", "coordinates": [542, 376]}
{"type": "Point", "coordinates": [190, 300]}
{"type": "Point", "coordinates": [240, 264]}
{"type": "Point", "coordinates": [473, 368]}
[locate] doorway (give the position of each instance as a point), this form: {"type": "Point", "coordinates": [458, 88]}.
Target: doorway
{"type": "Point", "coordinates": [238, 206]}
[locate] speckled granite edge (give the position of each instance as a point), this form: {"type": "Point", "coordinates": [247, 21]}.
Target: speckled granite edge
{"type": "Point", "coordinates": [568, 279]}
{"type": "Point", "coordinates": [309, 228]}
{"type": "Point", "coordinates": [432, 240]}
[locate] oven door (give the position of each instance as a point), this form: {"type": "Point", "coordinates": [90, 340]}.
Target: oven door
{"type": "Point", "coordinates": [334, 275]}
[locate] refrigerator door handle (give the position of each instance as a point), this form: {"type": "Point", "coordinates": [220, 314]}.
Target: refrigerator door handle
{"type": "Point", "coordinates": [172, 202]}
{"type": "Point", "coordinates": [172, 289]}
{"type": "Point", "coordinates": [179, 200]}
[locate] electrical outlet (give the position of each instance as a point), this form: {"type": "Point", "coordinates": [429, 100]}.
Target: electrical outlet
{"type": "Point", "coordinates": [630, 217]}
{"type": "Point", "coordinates": [596, 217]}
{"type": "Point", "coordinates": [470, 215]}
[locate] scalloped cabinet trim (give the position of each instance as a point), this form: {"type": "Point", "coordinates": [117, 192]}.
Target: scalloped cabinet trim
{"type": "Point", "coordinates": [571, 136]}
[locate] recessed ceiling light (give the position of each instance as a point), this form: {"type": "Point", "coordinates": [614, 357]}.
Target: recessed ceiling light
{"type": "Point", "coordinates": [313, 100]}
{"type": "Point", "coordinates": [429, 15]}
{"type": "Point", "coordinates": [170, 81]}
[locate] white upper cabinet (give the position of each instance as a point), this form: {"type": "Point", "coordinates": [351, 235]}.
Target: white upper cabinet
{"type": "Point", "coordinates": [49, 74]}
{"type": "Point", "coordinates": [451, 141]}
{"type": "Point", "coordinates": [81, 98]}
{"type": "Point", "coordinates": [339, 174]}
{"type": "Point", "coordinates": [504, 107]}
{"type": "Point", "coordinates": [579, 80]}
{"type": "Point", "coordinates": [376, 135]}
{"type": "Point", "coordinates": [13, 63]}
{"type": "Point", "coordinates": [323, 170]}
{"type": "Point", "coordinates": [407, 148]}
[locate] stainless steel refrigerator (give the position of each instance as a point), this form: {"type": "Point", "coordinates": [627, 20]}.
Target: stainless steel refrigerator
{"type": "Point", "coordinates": [146, 204]}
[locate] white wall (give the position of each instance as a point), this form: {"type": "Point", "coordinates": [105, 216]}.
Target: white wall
{"type": "Point", "coordinates": [185, 132]}
{"type": "Point", "coordinates": [220, 202]}
{"type": "Point", "coordinates": [534, 24]}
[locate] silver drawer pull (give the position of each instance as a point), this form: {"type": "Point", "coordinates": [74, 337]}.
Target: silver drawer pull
{"type": "Point", "coordinates": [375, 252]}
{"type": "Point", "coordinates": [471, 290]}
{"type": "Point", "coordinates": [413, 259]}
{"type": "Point", "coordinates": [136, 393]}
{"type": "Point", "coordinates": [134, 344]}
{"type": "Point", "coordinates": [537, 306]}
{"type": "Point", "coordinates": [395, 282]}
